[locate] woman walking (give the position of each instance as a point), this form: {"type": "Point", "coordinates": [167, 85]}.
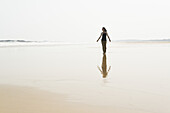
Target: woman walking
{"type": "Point", "coordinates": [104, 40]}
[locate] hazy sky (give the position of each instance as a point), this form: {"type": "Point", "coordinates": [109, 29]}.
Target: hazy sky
{"type": "Point", "coordinates": [82, 20]}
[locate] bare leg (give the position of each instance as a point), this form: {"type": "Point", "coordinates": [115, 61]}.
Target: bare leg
{"type": "Point", "coordinates": [104, 46]}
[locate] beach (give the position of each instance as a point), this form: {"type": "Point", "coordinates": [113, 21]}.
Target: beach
{"type": "Point", "coordinates": [74, 78]}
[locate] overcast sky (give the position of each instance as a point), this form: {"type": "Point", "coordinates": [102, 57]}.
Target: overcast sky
{"type": "Point", "coordinates": [82, 20]}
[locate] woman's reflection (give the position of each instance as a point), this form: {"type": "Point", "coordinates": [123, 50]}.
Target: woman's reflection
{"type": "Point", "coordinates": [104, 70]}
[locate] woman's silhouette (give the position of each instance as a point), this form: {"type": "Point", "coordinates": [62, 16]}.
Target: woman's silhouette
{"type": "Point", "coordinates": [104, 40]}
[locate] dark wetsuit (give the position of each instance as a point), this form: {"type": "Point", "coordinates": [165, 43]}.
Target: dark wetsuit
{"type": "Point", "coordinates": [104, 41]}
{"type": "Point", "coordinates": [104, 37]}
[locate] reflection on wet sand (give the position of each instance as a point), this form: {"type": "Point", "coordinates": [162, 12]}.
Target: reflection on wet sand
{"type": "Point", "coordinates": [104, 70]}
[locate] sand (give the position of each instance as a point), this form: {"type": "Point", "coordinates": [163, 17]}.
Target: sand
{"type": "Point", "coordinates": [69, 79]}
{"type": "Point", "coordinates": [15, 99]}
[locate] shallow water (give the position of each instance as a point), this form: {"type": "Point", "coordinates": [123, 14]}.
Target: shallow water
{"type": "Point", "coordinates": [138, 78]}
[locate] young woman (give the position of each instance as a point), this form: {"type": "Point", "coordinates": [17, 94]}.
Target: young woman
{"type": "Point", "coordinates": [104, 40]}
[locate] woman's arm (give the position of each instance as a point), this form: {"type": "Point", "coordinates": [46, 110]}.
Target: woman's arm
{"type": "Point", "coordinates": [99, 38]}
{"type": "Point", "coordinates": [108, 37]}
{"type": "Point", "coordinates": [109, 69]}
{"type": "Point", "coordinates": [99, 69]}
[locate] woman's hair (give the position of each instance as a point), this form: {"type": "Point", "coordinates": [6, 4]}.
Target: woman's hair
{"type": "Point", "coordinates": [104, 29]}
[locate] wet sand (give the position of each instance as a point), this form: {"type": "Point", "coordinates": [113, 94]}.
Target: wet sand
{"type": "Point", "coordinates": [130, 78]}
{"type": "Point", "coordinates": [15, 99]}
